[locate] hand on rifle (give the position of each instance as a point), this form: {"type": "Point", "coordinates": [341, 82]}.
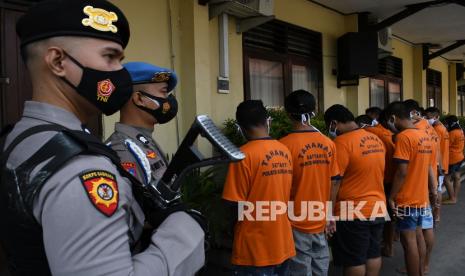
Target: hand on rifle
{"type": "Point", "coordinates": [156, 217]}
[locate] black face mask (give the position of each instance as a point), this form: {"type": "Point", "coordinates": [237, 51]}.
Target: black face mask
{"type": "Point", "coordinates": [107, 90]}
{"type": "Point", "coordinates": [168, 108]}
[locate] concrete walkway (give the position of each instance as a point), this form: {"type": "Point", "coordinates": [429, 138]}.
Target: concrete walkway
{"type": "Point", "coordinates": [448, 258]}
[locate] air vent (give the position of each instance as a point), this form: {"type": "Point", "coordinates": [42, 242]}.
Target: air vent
{"type": "Point", "coordinates": [390, 66]}
{"type": "Point", "coordinates": [433, 78]}
{"type": "Point", "coordinates": [280, 37]}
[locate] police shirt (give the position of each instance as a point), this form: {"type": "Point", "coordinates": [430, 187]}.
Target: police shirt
{"type": "Point", "coordinates": [140, 155]}
{"type": "Point", "coordinates": [88, 229]}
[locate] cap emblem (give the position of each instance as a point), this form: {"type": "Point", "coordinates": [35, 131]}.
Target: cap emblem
{"type": "Point", "coordinates": [161, 76]}
{"type": "Point", "coordinates": [100, 19]}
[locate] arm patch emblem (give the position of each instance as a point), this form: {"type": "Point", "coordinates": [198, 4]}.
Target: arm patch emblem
{"type": "Point", "coordinates": [102, 189]}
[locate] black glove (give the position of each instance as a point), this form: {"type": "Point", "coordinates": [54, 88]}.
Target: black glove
{"type": "Point", "coordinates": [155, 218]}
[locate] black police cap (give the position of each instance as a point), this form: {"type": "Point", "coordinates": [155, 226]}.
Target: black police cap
{"type": "Point", "coordinates": [89, 18]}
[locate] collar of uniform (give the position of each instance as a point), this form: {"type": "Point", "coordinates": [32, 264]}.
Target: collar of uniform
{"type": "Point", "coordinates": [51, 114]}
{"type": "Point", "coordinates": [133, 131]}
{"type": "Point", "coordinates": [304, 131]}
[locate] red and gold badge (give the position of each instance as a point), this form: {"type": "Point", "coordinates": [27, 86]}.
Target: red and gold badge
{"type": "Point", "coordinates": [166, 107]}
{"type": "Point", "coordinates": [102, 190]}
{"type": "Point", "coordinates": [129, 167]}
{"type": "Point", "coordinates": [151, 154]}
{"type": "Point", "coordinates": [104, 90]}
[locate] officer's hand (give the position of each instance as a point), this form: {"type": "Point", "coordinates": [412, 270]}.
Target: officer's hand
{"type": "Point", "coordinates": [155, 218]}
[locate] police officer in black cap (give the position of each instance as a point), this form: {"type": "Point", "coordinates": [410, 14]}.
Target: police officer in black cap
{"type": "Point", "coordinates": [79, 216]}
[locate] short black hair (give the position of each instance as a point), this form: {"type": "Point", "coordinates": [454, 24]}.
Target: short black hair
{"type": "Point", "coordinates": [451, 119]}
{"type": "Point", "coordinates": [299, 102]}
{"type": "Point", "coordinates": [398, 109]}
{"type": "Point", "coordinates": [412, 105]}
{"type": "Point", "coordinates": [251, 113]}
{"type": "Point", "coordinates": [433, 110]}
{"type": "Point", "coordinates": [364, 119]}
{"type": "Point", "coordinates": [373, 109]}
{"type": "Point", "coordinates": [338, 113]}
{"type": "Point", "coordinates": [383, 119]}
{"type": "Point", "coordinates": [422, 111]}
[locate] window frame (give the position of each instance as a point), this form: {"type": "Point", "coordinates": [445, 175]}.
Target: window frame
{"type": "Point", "coordinates": [461, 97]}
{"type": "Point", "coordinates": [435, 84]}
{"type": "Point", "coordinates": [287, 59]}
{"type": "Point", "coordinates": [386, 79]}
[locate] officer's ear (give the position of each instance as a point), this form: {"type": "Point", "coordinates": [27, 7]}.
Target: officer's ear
{"type": "Point", "coordinates": [138, 98]}
{"type": "Point", "coordinates": [55, 59]}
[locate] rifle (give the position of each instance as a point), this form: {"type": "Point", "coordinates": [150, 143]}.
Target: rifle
{"type": "Point", "coordinates": [166, 191]}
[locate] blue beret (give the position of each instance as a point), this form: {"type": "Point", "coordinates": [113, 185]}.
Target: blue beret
{"type": "Point", "coordinates": [89, 18]}
{"type": "Point", "coordinates": [142, 72]}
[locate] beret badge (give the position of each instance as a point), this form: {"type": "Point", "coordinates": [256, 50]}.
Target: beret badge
{"type": "Point", "coordinates": [161, 76]}
{"type": "Point", "coordinates": [100, 19]}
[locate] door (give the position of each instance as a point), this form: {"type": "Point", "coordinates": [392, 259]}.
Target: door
{"type": "Point", "coordinates": [15, 85]}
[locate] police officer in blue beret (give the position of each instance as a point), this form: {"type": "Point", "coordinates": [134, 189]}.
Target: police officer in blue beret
{"type": "Point", "coordinates": [67, 206]}
{"type": "Point", "coordinates": [151, 103]}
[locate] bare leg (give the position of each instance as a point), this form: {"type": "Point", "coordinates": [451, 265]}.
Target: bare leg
{"type": "Point", "coordinates": [359, 270]}
{"type": "Point", "coordinates": [448, 184]}
{"type": "Point", "coordinates": [408, 238]}
{"type": "Point", "coordinates": [437, 210]}
{"type": "Point", "coordinates": [388, 239]}
{"type": "Point", "coordinates": [428, 234]}
{"type": "Point", "coordinates": [373, 266]}
{"type": "Point", "coordinates": [456, 185]}
{"type": "Point", "coordinates": [421, 249]}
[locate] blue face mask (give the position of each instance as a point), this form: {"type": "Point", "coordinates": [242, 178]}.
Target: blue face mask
{"type": "Point", "coordinates": [332, 133]}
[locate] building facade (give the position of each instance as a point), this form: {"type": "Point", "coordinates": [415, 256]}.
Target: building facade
{"type": "Point", "coordinates": [297, 49]}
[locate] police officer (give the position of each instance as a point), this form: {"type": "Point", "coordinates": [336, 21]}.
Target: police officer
{"type": "Point", "coordinates": [83, 219]}
{"type": "Point", "coordinates": [151, 103]}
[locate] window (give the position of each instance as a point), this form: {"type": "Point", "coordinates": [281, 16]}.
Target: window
{"type": "Point", "coordinates": [386, 87]}
{"type": "Point", "coordinates": [461, 100]}
{"type": "Point", "coordinates": [433, 88]}
{"type": "Point", "coordinates": [280, 58]}
{"type": "Point", "coordinates": [266, 81]}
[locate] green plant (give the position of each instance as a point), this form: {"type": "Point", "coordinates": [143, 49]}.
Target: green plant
{"type": "Point", "coordinates": [281, 125]}
{"type": "Point", "coordinates": [202, 190]}
{"type": "Point", "coordinates": [319, 122]}
{"type": "Point", "coordinates": [231, 131]}
{"type": "Point", "coordinates": [461, 120]}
